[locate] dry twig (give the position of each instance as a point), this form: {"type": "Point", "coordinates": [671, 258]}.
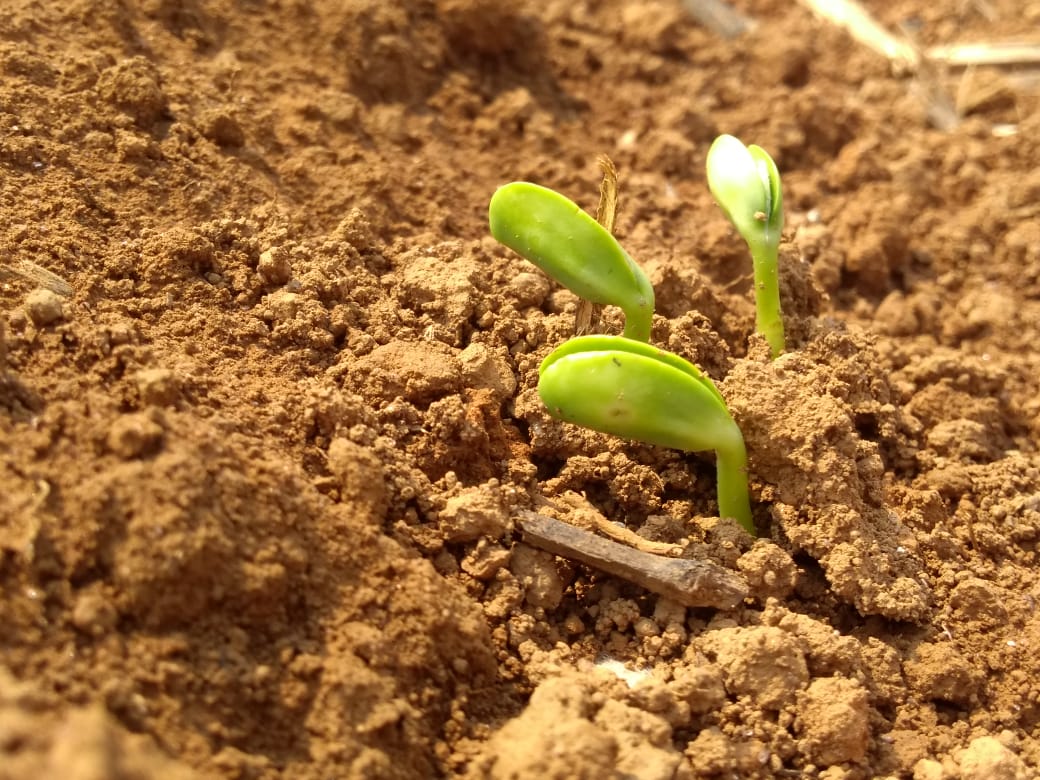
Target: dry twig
{"type": "Point", "coordinates": [857, 21]}
{"type": "Point", "coordinates": [583, 514]}
{"type": "Point", "coordinates": [26, 269]}
{"type": "Point", "coordinates": [996, 54]}
{"type": "Point", "coordinates": [688, 582]}
{"type": "Point", "coordinates": [587, 316]}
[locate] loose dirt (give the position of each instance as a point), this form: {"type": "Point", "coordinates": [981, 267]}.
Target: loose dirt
{"type": "Point", "coordinates": [262, 460]}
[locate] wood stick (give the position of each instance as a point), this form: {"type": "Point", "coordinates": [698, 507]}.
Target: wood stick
{"type": "Point", "coordinates": [27, 269]}
{"type": "Point", "coordinates": [691, 583]}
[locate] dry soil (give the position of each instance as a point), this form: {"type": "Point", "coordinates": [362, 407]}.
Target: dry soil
{"type": "Point", "coordinates": [265, 437]}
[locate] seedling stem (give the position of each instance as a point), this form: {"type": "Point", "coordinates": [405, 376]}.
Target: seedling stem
{"type": "Point", "coordinates": [635, 391]}
{"type": "Point", "coordinates": [746, 185]}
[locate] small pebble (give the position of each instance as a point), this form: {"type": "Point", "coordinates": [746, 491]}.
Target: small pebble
{"type": "Point", "coordinates": [44, 307]}
{"type": "Point", "coordinates": [222, 128]}
{"type": "Point", "coordinates": [134, 436]}
{"type": "Point", "coordinates": [93, 613]}
{"type": "Point", "coordinates": [158, 386]}
{"type": "Point", "coordinates": [274, 266]}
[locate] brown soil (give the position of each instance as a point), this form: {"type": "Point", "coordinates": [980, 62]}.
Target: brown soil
{"type": "Point", "coordinates": [260, 470]}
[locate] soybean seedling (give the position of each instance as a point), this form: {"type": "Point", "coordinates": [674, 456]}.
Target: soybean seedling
{"type": "Point", "coordinates": [630, 389]}
{"type": "Point", "coordinates": [746, 184]}
{"type": "Point", "coordinates": [553, 232]}
{"type": "Point", "coordinates": [618, 384]}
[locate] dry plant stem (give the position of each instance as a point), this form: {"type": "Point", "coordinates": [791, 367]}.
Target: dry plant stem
{"type": "Point", "coordinates": [858, 22]}
{"type": "Point", "coordinates": [719, 17]}
{"type": "Point", "coordinates": [690, 583]}
{"type": "Point", "coordinates": [996, 54]}
{"type": "Point", "coordinates": [606, 211]}
{"type": "Point", "coordinates": [584, 515]}
{"type": "Point", "coordinates": [985, 9]}
{"type": "Point", "coordinates": [903, 55]}
{"type": "Point", "coordinates": [27, 269]}
{"type": "Point", "coordinates": [940, 107]}
{"type": "Point", "coordinates": [971, 94]}
{"type": "Point", "coordinates": [622, 535]}
{"type": "Point", "coordinates": [587, 316]}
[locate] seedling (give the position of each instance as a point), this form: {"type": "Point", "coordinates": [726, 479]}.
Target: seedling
{"type": "Point", "coordinates": [618, 384]}
{"type": "Point", "coordinates": [630, 389]}
{"type": "Point", "coordinates": [746, 184]}
{"type": "Point", "coordinates": [553, 232]}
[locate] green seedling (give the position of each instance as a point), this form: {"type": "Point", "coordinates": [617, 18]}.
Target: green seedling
{"type": "Point", "coordinates": [618, 384]}
{"type": "Point", "coordinates": [630, 389]}
{"type": "Point", "coordinates": [553, 232]}
{"type": "Point", "coordinates": [746, 184]}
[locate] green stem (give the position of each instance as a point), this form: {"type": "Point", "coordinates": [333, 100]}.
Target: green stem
{"type": "Point", "coordinates": [768, 318]}
{"type": "Point", "coordinates": [639, 320]}
{"type": "Point", "coordinates": [731, 466]}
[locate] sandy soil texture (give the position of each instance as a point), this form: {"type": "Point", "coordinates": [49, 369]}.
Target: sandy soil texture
{"type": "Point", "coordinates": [268, 434]}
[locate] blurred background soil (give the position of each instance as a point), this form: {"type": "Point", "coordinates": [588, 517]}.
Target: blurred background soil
{"type": "Point", "coordinates": [265, 437]}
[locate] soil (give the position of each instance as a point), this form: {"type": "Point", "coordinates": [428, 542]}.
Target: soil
{"type": "Point", "coordinates": [262, 459]}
